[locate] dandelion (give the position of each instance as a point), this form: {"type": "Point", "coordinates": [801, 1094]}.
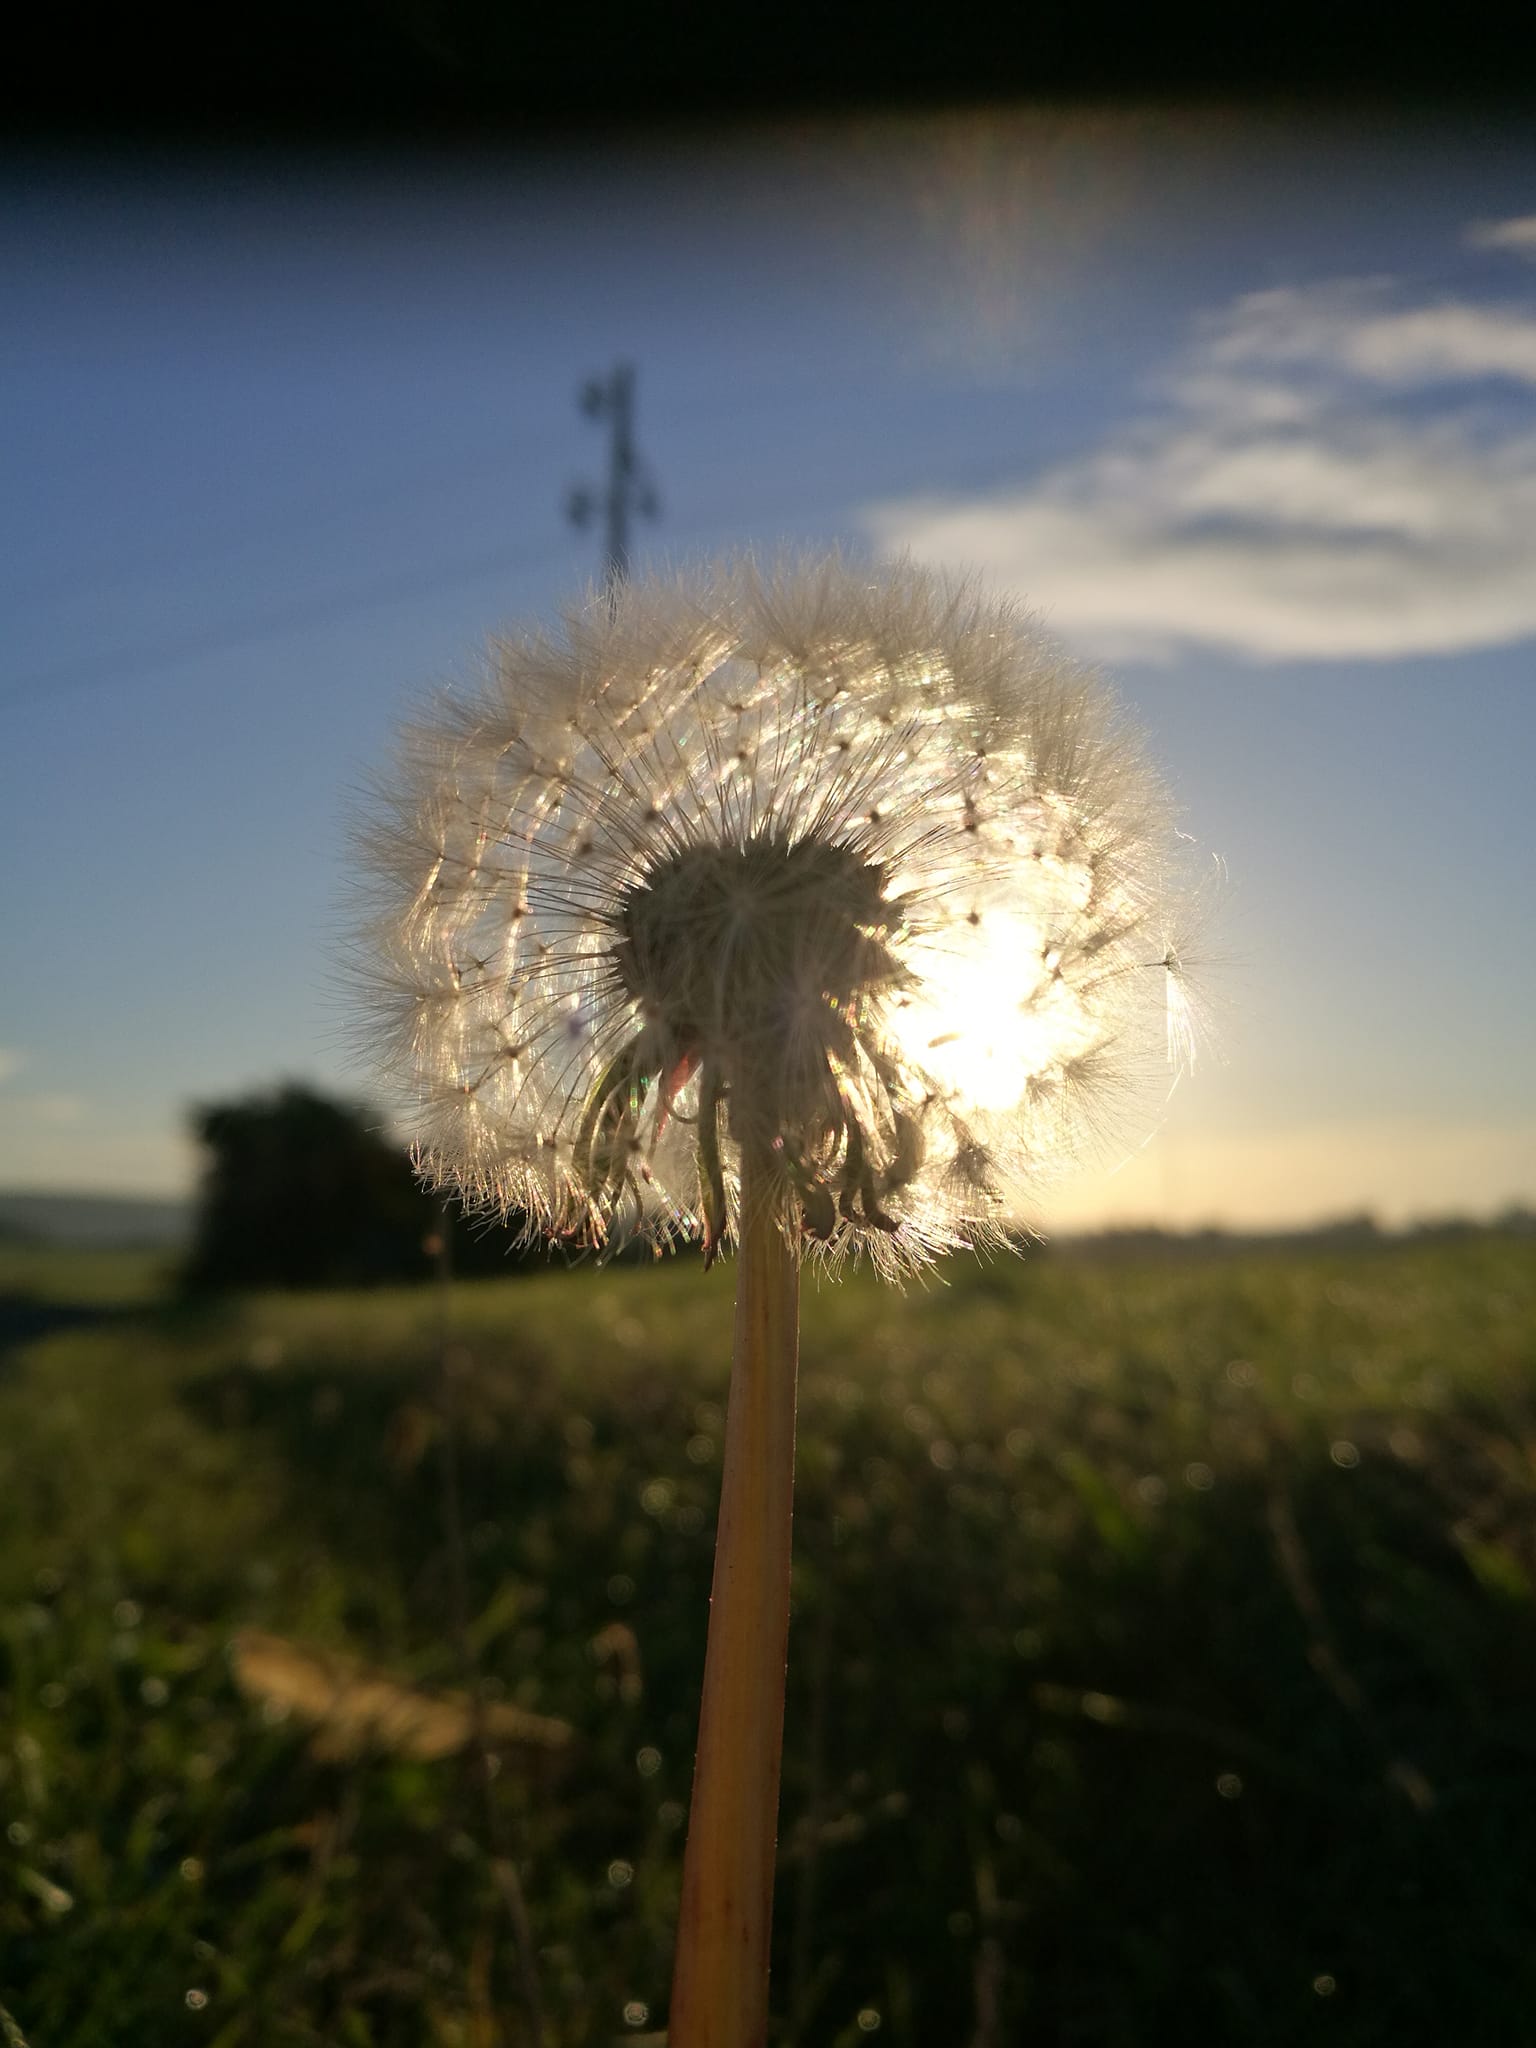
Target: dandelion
{"type": "Point", "coordinates": [823, 909]}
{"type": "Point", "coordinates": [848, 867]}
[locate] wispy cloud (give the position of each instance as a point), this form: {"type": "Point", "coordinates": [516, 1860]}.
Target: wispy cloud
{"type": "Point", "coordinates": [53, 1106]}
{"type": "Point", "coordinates": [1328, 472]}
{"type": "Point", "coordinates": [1357, 329]}
{"type": "Point", "coordinates": [57, 1107]}
{"type": "Point", "coordinates": [82, 1154]}
{"type": "Point", "coordinates": [23, 1110]}
{"type": "Point", "coordinates": [1518, 235]}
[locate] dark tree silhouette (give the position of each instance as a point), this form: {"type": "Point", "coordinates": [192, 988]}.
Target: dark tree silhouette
{"type": "Point", "coordinates": [302, 1191]}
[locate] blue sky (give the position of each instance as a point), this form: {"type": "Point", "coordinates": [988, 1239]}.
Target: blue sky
{"type": "Point", "coordinates": [1247, 409]}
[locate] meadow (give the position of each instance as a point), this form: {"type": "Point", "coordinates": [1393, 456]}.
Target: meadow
{"type": "Point", "coordinates": [1163, 1663]}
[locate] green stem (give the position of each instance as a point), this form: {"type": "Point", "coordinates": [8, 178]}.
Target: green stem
{"type": "Point", "coordinates": [720, 1981]}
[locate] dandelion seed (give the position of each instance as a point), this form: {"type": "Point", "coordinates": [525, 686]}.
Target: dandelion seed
{"type": "Point", "coordinates": [848, 864]}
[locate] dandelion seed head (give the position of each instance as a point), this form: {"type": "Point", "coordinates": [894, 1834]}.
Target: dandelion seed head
{"type": "Point", "coordinates": [849, 865]}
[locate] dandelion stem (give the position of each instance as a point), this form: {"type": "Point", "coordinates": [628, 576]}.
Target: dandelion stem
{"type": "Point", "coordinates": [720, 1981]}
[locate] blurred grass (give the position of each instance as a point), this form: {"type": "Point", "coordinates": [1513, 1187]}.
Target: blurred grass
{"type": "Point", "coordinates": [1163, 1664]}
{"type": "Point", "coordinates": [68, 1278]}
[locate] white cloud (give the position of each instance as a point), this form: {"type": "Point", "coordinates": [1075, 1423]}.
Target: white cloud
{"type": "Point", "coordinates": [11, 1062]}
{"type": "Point", "coordinates": [1517, 235]}
{"type": "Point", "coordinates": [1284, 501]}
{"type": "Point", "coordinates": [1354, 327]}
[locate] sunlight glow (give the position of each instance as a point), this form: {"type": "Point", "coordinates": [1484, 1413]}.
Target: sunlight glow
{"type": "Point", "coordinates": [991, 1017]}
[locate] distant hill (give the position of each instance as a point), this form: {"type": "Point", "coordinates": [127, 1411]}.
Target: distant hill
{"type": "Point", "coordinates": [154, 1223]}
{"type": "Point", "coordinates": [1337, 1233]}
{"type": "Point", "coordinates": [99, 1222]}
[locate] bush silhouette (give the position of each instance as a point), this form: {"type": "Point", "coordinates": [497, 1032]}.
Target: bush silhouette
{"type": "Point", "coordinates": [302, 1191]}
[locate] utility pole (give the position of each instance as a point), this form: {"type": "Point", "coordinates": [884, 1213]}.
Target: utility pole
{"type": "Point", "coordinates": [629, 488]}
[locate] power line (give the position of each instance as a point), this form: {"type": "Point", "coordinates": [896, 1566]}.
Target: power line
{"type": "Point", "coordinates": [370, 596]}
{"type": "Point", "coordinates": [629, 490]}
{"type": "Point", "coordinates": [94, 671]}
{"type": "Point", "coordinates": [216, 541]}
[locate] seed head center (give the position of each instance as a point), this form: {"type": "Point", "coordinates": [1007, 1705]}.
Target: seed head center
{"type": "Point", "coordinates": [731, 948]}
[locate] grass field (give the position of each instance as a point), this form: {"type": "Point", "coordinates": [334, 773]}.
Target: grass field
{"type": "Point", "coordinates": [1163, 1666]}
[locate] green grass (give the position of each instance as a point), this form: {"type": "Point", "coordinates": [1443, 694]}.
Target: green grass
{"type": "Point", "coordinates": [1163, 1665]}
{"type": "Point", "coordinates": [69, 1278]}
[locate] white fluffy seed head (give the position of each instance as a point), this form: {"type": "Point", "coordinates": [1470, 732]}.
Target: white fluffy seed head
{"type": "Point", "coordinates": [846, 864]}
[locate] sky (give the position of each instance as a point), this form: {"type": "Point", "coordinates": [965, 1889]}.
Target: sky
{"type": "Point", "coordinates": [1244, 407]}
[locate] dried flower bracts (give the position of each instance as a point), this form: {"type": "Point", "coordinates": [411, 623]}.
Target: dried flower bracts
{"type": "Point", "coordinates": [850, 864]}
